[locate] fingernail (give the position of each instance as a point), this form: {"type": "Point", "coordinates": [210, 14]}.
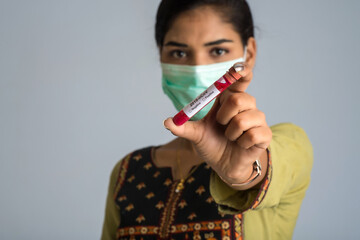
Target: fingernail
{"type": "Point", "coordinates": [239, 67]}
{"type": "Point", "coordinates": [164, 125]}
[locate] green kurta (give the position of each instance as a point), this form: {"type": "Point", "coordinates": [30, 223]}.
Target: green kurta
{"type": "Point", "coordinates": [267, 213]}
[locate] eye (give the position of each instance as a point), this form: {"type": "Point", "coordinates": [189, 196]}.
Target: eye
{"type": "Point", "coordinates": [218, 52]}
{"type": "Point", "coordinates": [178, 54]}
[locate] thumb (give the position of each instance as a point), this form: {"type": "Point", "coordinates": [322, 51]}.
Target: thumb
{"type": "Point", "coordinates": [191, 130]}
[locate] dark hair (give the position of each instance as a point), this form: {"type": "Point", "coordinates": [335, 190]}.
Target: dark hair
{"type": "Point", "coordinates": [236, 12]}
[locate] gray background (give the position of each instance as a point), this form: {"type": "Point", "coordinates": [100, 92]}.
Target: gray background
{"type": "Point", "coordinates": [80, 88]}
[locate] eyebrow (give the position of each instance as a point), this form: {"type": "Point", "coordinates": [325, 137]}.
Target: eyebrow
{"type": "Point", "coordinates": [217, 42]}
{"type": "Point", "coordinates": [176, 44]}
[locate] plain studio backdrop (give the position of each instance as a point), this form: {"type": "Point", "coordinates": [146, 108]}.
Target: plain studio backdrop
{"type": "Point", "coordinates": [80, 87]}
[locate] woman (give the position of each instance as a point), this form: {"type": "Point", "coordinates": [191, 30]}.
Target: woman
{"type": "Point", "coordinates": [227, 175]}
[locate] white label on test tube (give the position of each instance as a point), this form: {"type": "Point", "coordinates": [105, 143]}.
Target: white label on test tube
{"type": "Point", "coordinates": [201, 101]}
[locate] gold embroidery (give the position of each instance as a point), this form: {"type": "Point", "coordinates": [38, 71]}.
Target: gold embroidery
{"type": "Point", "coordinates": [225, 225]}
{"type": "Point", "coordinates": [144, 230]}
{"type": "Point", "coordinates": [266, 183]}
{"type": "Point", "coordinates": [137, 157]}
{"type": "Point", "coordinates": [209, 199]}
{"type": "Point", "coordinates": [211, 225]}
{"type": "Point", "coordinates": [159, 205]}
{"type": "Point", "coordinates": [130, 179]}
{"type": "Point", "coordinates": [150, 195]}
{"type": "Point", "coordinates": [182, 204]}
{"type": "Point", "coordinates": [156, 174]}
{"type": "Point", "coordinates": [140, 218]}
{"type": "Point", "coordinates": [129, 207]}
{"type": "Point", "coordinates": [168, 214]}
{"type": "Point", "coordinates": [148, 166]}
{"type": "Point", "coordinates": [131, 230]}
{"type": "Point", "coordinates": [122, 198]}
{"type": "Point", "coordinates": [200, 190]}
{"type": "Point", "coordinates": [192, 216]}
{"type": "Point", "coordinates": [209, 236]}
{"type": "Point", "coordinates": [122, 175]}
{"type": "Point", "coordinates": [190, 180]}
{"type": "Point", "coordinates": [238, 226]}
{"type": "Point", "coordinates": [196, 235]}
{"type": "Point", "coordinates": [197, 226]}
{"type": "Point", "coordinates": [186, 228]}
{"type": "Point", "coordinates": [141, 186]}
{"type": "Point", "coordinates": [167, 182]}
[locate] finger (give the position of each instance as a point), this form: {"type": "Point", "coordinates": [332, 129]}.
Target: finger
{"type": "Point", "coordinates": [259, 137]}
{"type": "Point", "coordinates": [243, 122]}
{"type": "Point", "coordinates": [232, 104]}
{"type": "Point", "coordinates": [211, 115]}
{"type": "Point", "coordinates": [191, 130]}
{"type": "Point", "coordinates": [242, 84]}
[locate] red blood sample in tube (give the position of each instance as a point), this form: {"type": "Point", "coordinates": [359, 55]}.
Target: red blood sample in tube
{"type": "Point", "coordinates": [208, 95]}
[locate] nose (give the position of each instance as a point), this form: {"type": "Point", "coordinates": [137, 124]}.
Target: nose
{"type": "Point", "coordinates": [199, 58]}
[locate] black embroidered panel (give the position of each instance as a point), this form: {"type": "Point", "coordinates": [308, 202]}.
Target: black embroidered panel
{"type": "Point", "coordinates": [150, 208]}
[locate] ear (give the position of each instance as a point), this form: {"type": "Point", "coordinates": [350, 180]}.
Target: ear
{"type": "Point", "coordinates": [251, 52]}
{"type": "Point", "coordinates": [160, 48]}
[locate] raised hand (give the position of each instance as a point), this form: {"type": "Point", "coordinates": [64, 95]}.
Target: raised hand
{"type": "Point", "coordinates": [232, 135]}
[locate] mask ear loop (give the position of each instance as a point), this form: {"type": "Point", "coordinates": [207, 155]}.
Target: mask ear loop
{"type": "Point", "coordinates": [240, 65]}
{"type": "Point", "coordinates": [245, 53]}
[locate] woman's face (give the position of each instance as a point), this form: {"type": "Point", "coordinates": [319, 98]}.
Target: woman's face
{"type": "Point", "coordinates": [199, 37]}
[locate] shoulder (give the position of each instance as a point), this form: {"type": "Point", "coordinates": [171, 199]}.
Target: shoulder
{"type": "Point", "coordinates": [291, 137]}
{"type": "Point", "coordinates": [291, 150]}
{"type": "Point", "coordinates": [288, 129]}
{"type": "Point", "coordinates": [138, 156]}
{"type": "Point", "coordinates": [135, 156]}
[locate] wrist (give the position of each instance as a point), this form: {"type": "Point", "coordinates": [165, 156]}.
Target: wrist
{"type": "Point", "coordinates": [255, 173]}
{"type": "Point", "coordinates": [253, 177]}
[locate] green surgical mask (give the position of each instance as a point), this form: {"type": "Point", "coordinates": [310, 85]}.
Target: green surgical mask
{"type": "Point", "coordinates": [183, 83]}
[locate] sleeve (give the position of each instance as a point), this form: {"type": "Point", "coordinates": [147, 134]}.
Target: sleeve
{"type": "Point", "coordinates": [112, 216]}
{"type": "Point", "coordinates": [288, 176]}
